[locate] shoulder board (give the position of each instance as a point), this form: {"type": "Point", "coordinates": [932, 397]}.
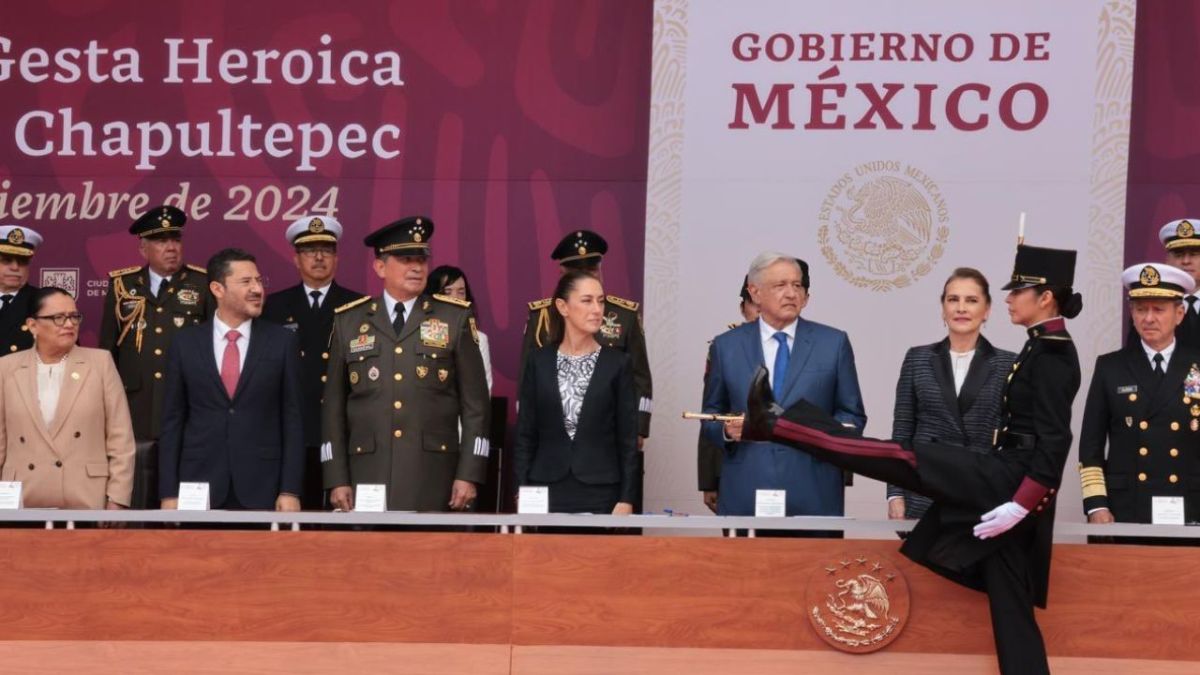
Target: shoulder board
{"type": "Point", "coordinates": [540, 304]}
{"type": "Point", "coordinates": [352, 303]}
{"type": "Point", "coordinates": [197, 268]}
{"type": "Point", "coordinates": [124, 270]}
{"type": "Point", "coordinates": [622, 302]}
{"type": "Point", "coordinates": [452, 301]}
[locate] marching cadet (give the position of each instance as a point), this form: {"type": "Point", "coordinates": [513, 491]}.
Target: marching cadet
{"type": "Point", "coordinates": [307, 309]}
{"type": "Point", "coordinates": [622, 327]}
{"type": "Point", "coordinates": [404, 369]}
{"type": "Point", "coordinates": [145, 306]}
{"type": "Point", "coordinates": [1182, 244]}
{"type": "Point", "coordinates": [1144, 403]}
{"type": "Point", "coordinates": [17, 245]}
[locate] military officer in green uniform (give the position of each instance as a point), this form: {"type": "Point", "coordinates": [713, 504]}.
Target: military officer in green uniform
{"type": "Point", "coordinates": [404, 370]}
{"type": "Point", "coordinates": [17, 245]}
{"type": "Point", "coordinates": [1144, 405]}
{"type": "Point", "coordinates": [143, 309]}
{"type": "Point", "coordinates": [622, 327]}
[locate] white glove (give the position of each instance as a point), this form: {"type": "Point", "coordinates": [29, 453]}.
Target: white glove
{"type": "Point", "coordinates": [1000, 520]}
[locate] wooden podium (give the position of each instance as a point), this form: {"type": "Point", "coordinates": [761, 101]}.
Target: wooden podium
{"type": "Point", "coordinates": [174, 601]}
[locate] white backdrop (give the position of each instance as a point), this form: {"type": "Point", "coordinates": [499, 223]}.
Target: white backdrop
{"type": "Point", "coordinates": [881, 215]}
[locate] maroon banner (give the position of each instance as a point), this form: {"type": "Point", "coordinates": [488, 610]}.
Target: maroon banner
{"type": "Point", "coordinates": [1164, 146]}
{"type": "Point", "coordinates": [509, 123]}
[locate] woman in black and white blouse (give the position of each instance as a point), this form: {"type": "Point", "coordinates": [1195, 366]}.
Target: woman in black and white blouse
{"type": "Point", "coordinates": [949, 392]}
{"type": "Point", "coordinates": [577, 425]}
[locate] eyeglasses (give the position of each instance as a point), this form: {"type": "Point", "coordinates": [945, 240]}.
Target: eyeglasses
{"type": "Point", "coordinates": [62, 319]}
{"type": "Point", "coordinates": [314, 251]}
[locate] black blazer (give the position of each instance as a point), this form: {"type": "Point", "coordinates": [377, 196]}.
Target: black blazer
{"type": "Point", "coordinates": [604, 450]}
{"type": "Point", "coordinates": [292, 309]}
{"type": "Point", "coordinates": [253, 443]}
{"type": "Point", "coordinates": [928, 410]}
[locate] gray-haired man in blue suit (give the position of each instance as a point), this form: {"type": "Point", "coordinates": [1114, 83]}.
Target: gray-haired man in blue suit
{"type": "Point", "coordinates": [806, 360]}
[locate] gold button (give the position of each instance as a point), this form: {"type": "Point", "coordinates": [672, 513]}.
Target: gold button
{"type": "Point", "coordinates": [1174, 426]}
{"type": "Point", "coordinates": [1143, 452]}
{"type": "Point", "coordinates": [1133, 397]}
{"type": "Point", "coordinates": [159, 310]}
{"type": "Point", "coordinates": [1142, 477]}
{"type": "Point", "coordinates": [443, 448]}
{"type": "Point", "coordinates": [325, 355]}
{"type": "Point", "coordinates": [324, 378]}
{"type": "Point", "coordinates": [358, 450]}
{"type": "Point", "coordinates": [399, 350]}
{"type": "Point", "coordinates": [158, 376]}
{"type": "Point", "coordinates": [301, 353]}
{"type": "Point", "coordinates": [1174, 452]}
{"type": "Point", "coordinates": [398, 377]}
{"type": "Point", "coordinates": [397, 405]}
{"type": "Point", "coordinates": [397, 433]}
{"type": "Point", "coordinates": [1173, 478]}
{"type": "Point", "coordinates": [1143, 425]}
{"type": "Point", "coordinates": [158, 330]}
{"type": "Point", "coordinates": [12, 348]}
{"type": "Point", "coordinates": [158, 352]}
{"type": "Point", "coordinates": [1187, 400]}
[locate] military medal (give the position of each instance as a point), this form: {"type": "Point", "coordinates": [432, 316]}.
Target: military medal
{"type": "Point", "coordinates": [373, 374]}
{"type": "Point", "coordinates": [353, 377]}
{"type": "Point", "coordinates": [435, 333]}
{"type": "Point", "coordinates": [362, 343]}
{"type": "Point", "coordinates": [188, 296]}
{"type": "Point", "coordinates": [364, 328]}
{"type": "Point", "coordinates": [1195, 424]}
{"type": "Point", "coordinates": [610, 329]}
{"type": "Point", "coordinates": [1129, 422]}
{"type": "Point", "coordinates": [179, 321]}
{"type": "Point", "coordinates": [1191, 383]}
{"type": "Point", "coordinates": [443, 374]}
{"type": "Point", "coordinates": [425, 306]}
{"type": "Point", "coordinates": [422, 371]}
{"type": "Point", "coordinates": [1196, 410]}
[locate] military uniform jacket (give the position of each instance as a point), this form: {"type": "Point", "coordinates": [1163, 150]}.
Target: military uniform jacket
{"type": "Point", "coordinates": [393, 404]}
{"type": "Point", "coordinates": [14, 336]}
{"type": "Point", "coordinates": [622, 330]}
{"type": "Point", "coordinates": [137, 328]}
{"type": "Point", "coordinates": [292, 309]}
{"type": "Point", "coordinates": [1035, 408]}
{"type": "Point", "coordinates": [1152, 432]}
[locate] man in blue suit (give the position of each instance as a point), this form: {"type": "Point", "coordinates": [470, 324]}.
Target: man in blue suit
{"type": "Point", "coordinates": [805, 360]}
{"type": "Point", "coordinates": [232, 408]}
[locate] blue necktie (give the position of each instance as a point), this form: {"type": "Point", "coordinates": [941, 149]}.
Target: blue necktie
{"type": "Point", "coordinates": [781, 366]}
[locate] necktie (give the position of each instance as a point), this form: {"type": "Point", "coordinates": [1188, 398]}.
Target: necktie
{"type": "Point", "coordinates": [1191, 300]}
{"type": "Point", "coordinates": [398, 322]}
{"type": "Point", "coordinates": [316, 299]}
{"type": "Point", "coordinates": [1158, 365]}
{"type": "Point", "coordinates": [5, 300]}
{"type": "Point", "coordinates": [781, 365]}
{"type": "Point", "coordinates": [162, 287]}
{"type": "Point", "coordinates": [231, 363]}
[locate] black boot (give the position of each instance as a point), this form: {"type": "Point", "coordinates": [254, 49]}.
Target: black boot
{"type": "Point", "coordinates": [761, 409]}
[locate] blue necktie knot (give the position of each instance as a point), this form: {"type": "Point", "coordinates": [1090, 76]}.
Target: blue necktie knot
{"type": "Point", "coordinates": [782, 355]}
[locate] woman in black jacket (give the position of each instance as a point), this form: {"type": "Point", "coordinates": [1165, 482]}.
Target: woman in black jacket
{"type": "Point", "coordinates": [577, 422]}
{"type": "Point", "coordinates": [992, 520]}
{"type": "Point", "coordinates": [949, 392]}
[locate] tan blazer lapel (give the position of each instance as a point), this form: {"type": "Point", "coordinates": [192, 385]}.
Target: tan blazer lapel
{"type": "Point", "coordinates": [73, 379]}
{"type": "Point", "coordinates": [26, 377]}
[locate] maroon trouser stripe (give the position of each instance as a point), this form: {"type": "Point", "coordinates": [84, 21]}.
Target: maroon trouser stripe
{"type": "Point", "coordinates": [851, 446]}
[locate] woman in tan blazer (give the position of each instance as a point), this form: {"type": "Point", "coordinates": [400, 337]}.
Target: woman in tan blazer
{"type": "Point", "coordinates": [65, 431]}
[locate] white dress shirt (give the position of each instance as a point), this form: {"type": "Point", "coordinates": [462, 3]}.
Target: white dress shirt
{"type": "Point", "coordinates": [390, 303]}
{"type": "Point", "coordinates": [49, 386]}
{"type": "Point", "coordinates": [324, 293]}
{"type": "Point", "coordinates": [770, 345]}
{"type": "Point", "coordinates": [960, 363]}
{"type": "Point", "coordinates": [1167, 352]}
{"type": "Point", "coordinates": [219, 342]}
{"type": "Point", "coordinates": [155, 282]}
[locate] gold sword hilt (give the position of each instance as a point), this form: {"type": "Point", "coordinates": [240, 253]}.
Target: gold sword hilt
{"type": "Point", "coordinates": [712, 417]}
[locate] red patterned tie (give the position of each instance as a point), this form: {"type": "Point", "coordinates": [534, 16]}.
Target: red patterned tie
{"type": "Point", "coordinates": [231, 363]}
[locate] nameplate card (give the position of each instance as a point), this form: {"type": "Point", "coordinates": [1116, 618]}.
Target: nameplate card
{"type": "Point", "coordinates": [193, 497]}
{"type": "Point", "coordinates": [533, 500]}
{"type": "Point", "coordinates": [770, 503]}
{"type": "Point", "coordinates": [370, 498]}
{"type": "Point", "coordinates": [10, 494]}
{"type": "Point", "coordinates": [1166, 510]}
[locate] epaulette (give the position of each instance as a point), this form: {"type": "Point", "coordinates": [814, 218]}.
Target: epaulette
{"type": "Point", "coordinates": [540, 304]}
{"type": "Point", "coordinates": [123, 271]}
{"type": "Point", "coordinates": [352, 303]}
{"type": "Point", "coordinates": [452, 301]}
{"type": "Point", "coordinates": [622, 302]}
{"type": "Point", "coordinates": [197, 268]}
{"type": "Point", "coordinates": [734, 325]}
